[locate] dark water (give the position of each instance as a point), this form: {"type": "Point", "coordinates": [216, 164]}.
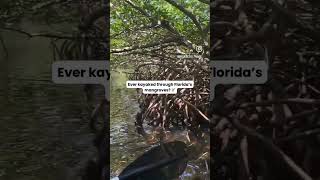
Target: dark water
{"type": "Point", "coordinates": [43, 126]}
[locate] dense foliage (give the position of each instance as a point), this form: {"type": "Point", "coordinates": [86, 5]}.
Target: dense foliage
{"type": "Point", "coordinates": [268, 131]}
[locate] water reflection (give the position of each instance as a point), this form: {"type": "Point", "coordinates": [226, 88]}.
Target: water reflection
{"type": "Point", "coordinates": [43, 126]}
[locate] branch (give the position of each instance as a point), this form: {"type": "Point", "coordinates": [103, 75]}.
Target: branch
{"type": "Point", "coordinates": [205, 1]}
{"type": "Point", "coordinates": [271, 147]}
{"type": "Point", "coordinates": [133, 30]}
{"type": "Point", "coordinates": [195, 108]}
{"type": "Point", "coordinates": [30, 35]}
{"type": "Point", "coordinates": [49, 35]}
{"type": "Point", "coordinates": [225, 23]}
{"type": "Point", "coordinates": [47, 4]}
{"type": "Point", "coordinates": [299, 135]}
{"type": "Point", "coordinates": [142, 11]}
{"type": "Point", "coordinates": [282, 101]}
{"type": "Point", "coordinates": [255, 36]}
{"type": "Point", "coordinates": [128, 49]}
{"type": "Point", "coordinates": [292, 19]}
{"type": "Point", "coordinates": [161, 65]}
{"type": "Point", "coordinates": [302, 115]}
{"type": "Point", "coordinates": [188, 13]}
{"type": "Point", "coordinates": [91, 18]}
{"type": "Point", "coordinates": [164, 24]}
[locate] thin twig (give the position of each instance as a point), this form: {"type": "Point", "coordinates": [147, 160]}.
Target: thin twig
{"type": "Point", "coordinates": [299, 135]}
{"type": "Point", "coordinates": [271, 148]}
{"type": "Point", "coordinates": [282, 101]}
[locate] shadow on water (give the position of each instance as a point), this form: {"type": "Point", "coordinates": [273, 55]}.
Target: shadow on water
{"type": "Point", "coordinates": [126, 144]}
{"type": "Point", "coordinates": [43, 126]}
